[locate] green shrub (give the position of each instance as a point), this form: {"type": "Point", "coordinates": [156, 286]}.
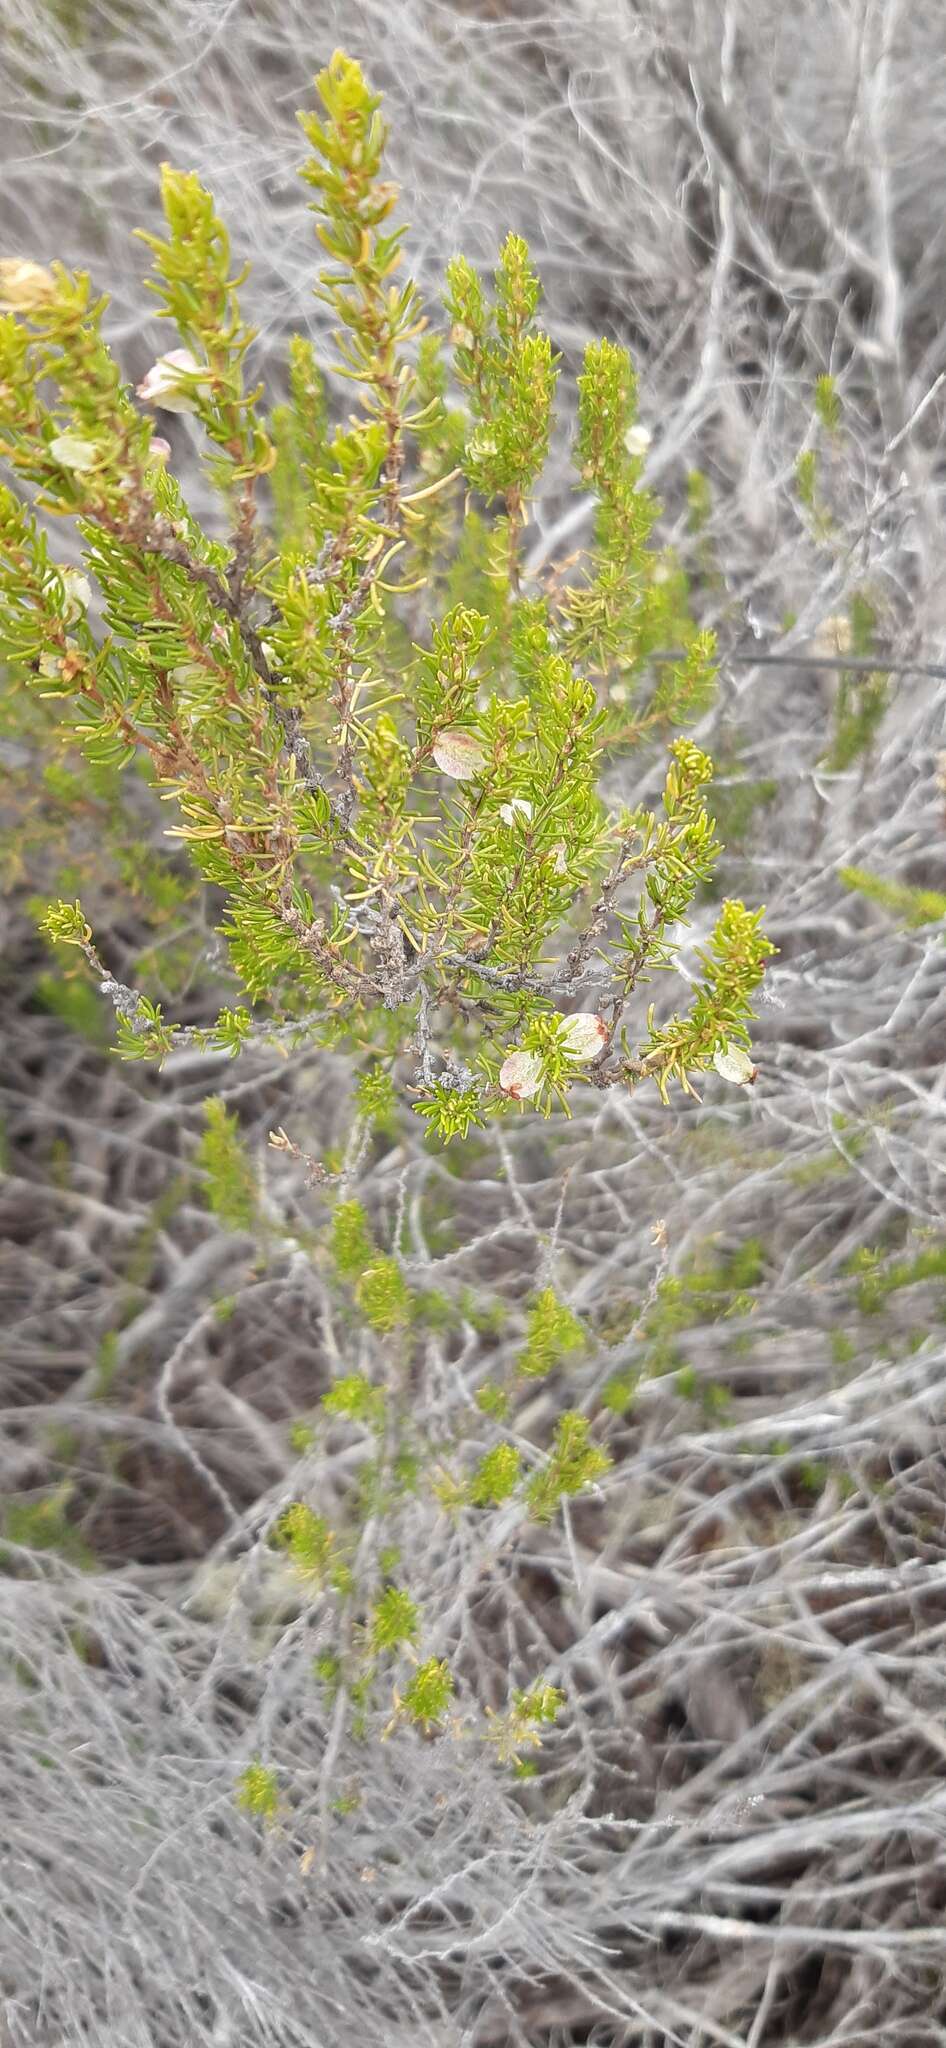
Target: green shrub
{"type": "Point", "coordinates": [407, 834]}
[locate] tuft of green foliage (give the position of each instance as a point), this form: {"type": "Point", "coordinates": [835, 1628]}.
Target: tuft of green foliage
{"type": "Point", "coordinates": [43, 1524]}
{"type": "Point", "coordinates": [878, 1276]}
{"type": "Point", "coordinates": [521, 1727]}
{"type": "Point", "coordinates": [258, 1791]}
{"type": "Point", "coordinates": [828, 403]}
{"type": "Point", "coordinates": [552, 1334]}
{"type": "Point", "coordinates": [861, 699]}
{"type": "Point", "coordinates": [355, 1397]}
{"type": "Point", "coordinates": [352, 1245]}
{"type": "Point", "coordinates": [573, 1464]}
{"type": "Point", "coordinates": [230, 1181]}
{"type": "Point", "coordinates": [395, 1620]}
{"type": "Point", "coordinates": [384, 1297]}
{"type": "Point", "coordinates": [380, 745]}
{"type": "Point", "coordinates": [910, 906]}
{"type": "Point", "coordinates": [312, 1547]}
{"type": "Point", "coordinates": [426, 1699]}
{"type": "Point", "coordinates": [806, 471]}
{"type": "Point", "coordinates": [496, 1476]}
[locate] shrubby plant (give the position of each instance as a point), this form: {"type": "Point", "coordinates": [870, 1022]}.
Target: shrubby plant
{"type": "Point", "coordinates": [765, 1376]}
{"type": "Point", "coordinates": [385, 750]}
{"type": "Point", "coordinates": [386, 755]}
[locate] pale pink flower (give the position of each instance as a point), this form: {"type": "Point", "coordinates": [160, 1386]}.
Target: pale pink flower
{"type": "Point", "coordinates": [520, 1075]}
{"type": "Point", "coordinates": [584, 1035]}
{"type": "Point", "coordinates": [164, 384]}
{"type": "Point", "coordinates": [459, 755]}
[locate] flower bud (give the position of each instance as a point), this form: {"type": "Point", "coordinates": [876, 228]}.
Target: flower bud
{"type": "Point", "coordinates": [480, 445]}
{"type": "Point", "coordinates": [25, 287]}
{"type": "Point", "coordinates": [834, 635]}
{"type": "Point", "coordinates": [163, 384]}
{"type": "Point", "coordinates": [735, 1065]}
{"type": "Point", "coordinates": [459, 755]}
{"type": "Point", "coordinates": [159, 450]}
{"type": "Point", "coordinates": [78, 591]}
{"type": "Point", "coordinates": [584, 1035]}
{"type": "Point", "coordinates": [59, 665]}
{"type": "Point", "coordinates": [520, 1075]}
{"type": "Point", "coordinates": [637, 440]}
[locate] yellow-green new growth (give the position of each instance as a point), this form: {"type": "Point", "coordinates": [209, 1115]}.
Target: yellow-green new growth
{"type": "Point", "coordinates": [258, 1791]}
{"type": "Point", "coordinates": [230, 1181]}
{"type": "Point", "coordinates": [395, 1619]}
{"type": "Point", "coordinates": [574, 1464]}
{"type": "Point", "coordinates": [553, 1333]}
{"type": "Point", "coordinates": [496, 1476]}
{"type": "Point", "coordinates": [312, 1547]}
{"type": "Point", "coordinates": [427, 1698]}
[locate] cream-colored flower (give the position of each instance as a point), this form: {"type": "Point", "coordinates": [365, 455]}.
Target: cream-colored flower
{"type": "Point", "coordinates": [583, 1035]}
{"type": "Point", "coordinates": [164, 383]}
{"type": "Point", "coordinates": [637, 440]}
{"type": "Point", "coordinates": [25, 287]}
{"type": "Point", "coordinates": [159, 450]}
{"type": "Point", "coordinates": [72, 451]}
{"type": "Point", "coordinates": [520, 1075]}
{"type": "Point", "coordinates": [833, 636]}
{"type": "Point", "coordinates": [78, 591]}
{"type": "Point", "coordinates": [735, 1065]}
{"type": "Point", "coordinates": [517, 807]}
{"type": "Point", "coordinates": [459, 755]}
